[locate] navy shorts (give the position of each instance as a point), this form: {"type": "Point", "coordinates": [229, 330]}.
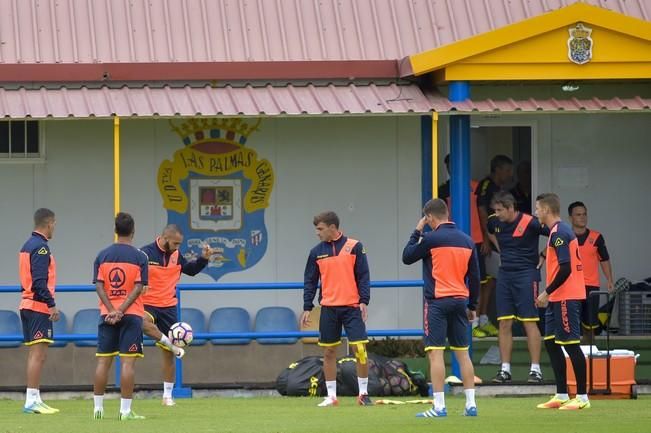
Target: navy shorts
{"type": "Point", "coordinates": [163, 317]}
{"type": "Point", "coordinates": [123, 339]}
{"type": "Point", "coordinates": [334, 318]}
{"type": "Point", "coordinates": [590, 309]}
{"type": "Point", "coordinates": [563, 322]}
{"type": "Point", "coordinates": [516, 293]}
{"type": "Point", "coordinates": [37, 327]}
{"type": "Point", "coordinates": [446, 317]}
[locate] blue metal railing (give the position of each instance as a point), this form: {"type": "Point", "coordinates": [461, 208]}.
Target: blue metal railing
{"type": "Point", "coordinates": [179, 390]}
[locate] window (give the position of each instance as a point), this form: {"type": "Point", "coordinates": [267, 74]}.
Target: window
{"type": "Point", "coordinates": [19, 139]}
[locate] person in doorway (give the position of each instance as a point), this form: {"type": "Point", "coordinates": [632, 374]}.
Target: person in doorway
{"type": "Point", "coordinates": [166, 265]}
{"type": "Point", "coordinates": [340, 264]}
{"type": "Point", "coordinates": [563, 295]}
{"type": "Point", "coordinates": [594, 254]}
{"type": "Point", "coordinates": [450, 292]}
{"type": "Point", "coordinates": [516, 235]}
{"type": "Point", "coordinates": [500, 176]}
{"type": "Point", "coordinates": [37, 272]}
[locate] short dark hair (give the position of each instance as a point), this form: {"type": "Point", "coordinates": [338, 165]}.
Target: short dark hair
{"type": "Point", "coordinates": [571, 207]}
{"type": "Point", "coordinates": [327, 217]}
{"type": "Point", "coordinates": [173, 228]}
{"type": "Point", "coordinates": [503, 198]}
{"type": "Point", "coordinates": [436, 207]}
{"type": "Point", "coordinates": [42, 217]}
{"type": "Point", "coordinates": [124, 224]}
{"type": "Point", "coordinates": [446, 160]}
{"type": "Point", "coordinates": [500, 161]}
{"type": "Point", "coordinates": [551, 200]}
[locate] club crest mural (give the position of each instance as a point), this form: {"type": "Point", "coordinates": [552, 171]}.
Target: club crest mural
{"type": "Point", "coordinates": [217, 190]}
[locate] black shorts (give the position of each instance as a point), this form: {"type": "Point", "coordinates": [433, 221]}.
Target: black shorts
{"type": "Point", "coordinates": [563, 322]}
{"type": "Point", "coordinates": [37, 327]}
{"type": "Point", "coordinates": [123, 339]}
{"type": "Point", "coordinates": [516, 293]}
{"type": "Point", "coordinates": [163, 317]}
{"type": "Point", "coordinates": [334, 318]}
{"type": "Point", "coordinates": [446, 318]}
{"type": "Point", "coordinates": [590, 309]}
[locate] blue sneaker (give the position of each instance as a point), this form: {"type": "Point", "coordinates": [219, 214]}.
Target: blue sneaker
{"type": "Point", "coordinates": [470, 411]}
{"type": "Point", "coordinates": [431, 413]}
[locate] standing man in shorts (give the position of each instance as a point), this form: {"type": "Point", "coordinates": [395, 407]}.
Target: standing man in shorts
{"type": "Point", "coordinates": [120, 273]}
{"type": "Point", "coordinates": [340, 263]}
{"type": "Point", "coordinates": [37, 271]}
{"type": "Point", "coordinates": [450, 291]}
{"type": "Point", "coordinates": [563, 295]}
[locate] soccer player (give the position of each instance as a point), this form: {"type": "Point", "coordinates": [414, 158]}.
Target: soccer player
{"type": "Point", "coordinates": [120, 272]}
{"type": "Point", "coordinates": [594, 254]}
{"type": "Point", "coordinates": [450, 292]}
{"type": "Point", "coordinates": [165, 267]}
{"type": "Point", "coordinates": [340, 263]}
{"type": "Point", "coordinates": [563, 296]}
{"type": "Point", "coordinates": [516, 234]}
{"type": "Point", "coordinates": [501, 175]}
{"type": "Point", "coordinates": [478, 238]}
{"type": "Point", "coordinates": [37, 271]}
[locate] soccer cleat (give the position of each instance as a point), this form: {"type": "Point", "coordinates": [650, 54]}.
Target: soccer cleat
{"type": "Point", "coordinates": [535, 377]}
{"type": "Point", "coordinates": [131, 416]}
{"type": "Point", "coordinates": [433, 413]}
{"type": "Point", "coordinates": [470, 411]}
{"type": "Point", "coordinates": [98, 414]}
{"type": "Point", "coordinates": [364, 400]}
{"type": "Point", "coordinates": [490, 329]}
{"type": "Point", "coordinates": [502, 377]}
{"type": "Point", "coordinates": [575, 404]}
{"type": "Point", "coordinates": [479, 333]}
{"type": "Point", "coordinates": [168, 401]}
{"type": "Point", "coordinates": [329, 401]}
{"type": "Point", "coordinates": [48, 407]}
{"type": "Point", "coordinates": [178, 352]}
{"type": "Point", "coordinates": [38, 408]}
{"type": "Point", "coordinates": [553, 403]}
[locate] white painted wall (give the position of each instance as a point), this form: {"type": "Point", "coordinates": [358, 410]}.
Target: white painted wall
{"type": "Point", "coordinates": [365, 169]}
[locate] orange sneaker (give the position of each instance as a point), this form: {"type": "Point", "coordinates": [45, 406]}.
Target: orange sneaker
{"type": "Point", "coordinates": [553, 403]}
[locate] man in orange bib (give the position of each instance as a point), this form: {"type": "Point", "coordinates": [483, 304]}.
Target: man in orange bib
{"type": "Point", "coordinates": [340, 263]}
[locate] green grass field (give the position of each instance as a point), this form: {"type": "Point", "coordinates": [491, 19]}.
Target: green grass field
{"type": "Point", "coordinates": [259, 415]}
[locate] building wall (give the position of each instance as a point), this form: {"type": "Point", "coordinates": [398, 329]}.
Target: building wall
{"type": "Point", "coordinates": [365, 169]}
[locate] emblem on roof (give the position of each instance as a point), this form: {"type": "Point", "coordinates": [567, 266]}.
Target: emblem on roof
{"type": "Point", "coordinates": [579, 44]}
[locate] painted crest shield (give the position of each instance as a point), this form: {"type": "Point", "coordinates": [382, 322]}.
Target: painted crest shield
{"type": "Point", "coordinates": [579, 44]}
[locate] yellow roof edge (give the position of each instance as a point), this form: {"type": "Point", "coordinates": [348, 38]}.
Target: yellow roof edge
{"type": "Point", "coordinates": [437, 58]}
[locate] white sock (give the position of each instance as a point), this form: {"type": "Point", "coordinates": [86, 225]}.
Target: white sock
{"type": "Point", "coordinates": [470, 398]}
{"type": "Point", "coordinates": [439, 400]}
{"type": "Point", "coordinates": [38, 396]}
{"type": "Point", "coordinates": [475, 323]}
{"type": "Point", "coordinates": [536, 367]}
{"type": "Point", "coordinates": [167, 389]}
{"type": "Point", "coordinates": [166, 342]}
{"type": "Point", "coordinates": [363, 385]}
{"type": "Point", "coordinates": [562, 396]}
{"type": "Point", "coordinates": [99, 402]}
{"type": "Point", "coordinates": [582, 397]}
{"type": "Point", "coordinates": [31, 396]}
{"type": "Point", "coordinates": [125, 405]}
{"type": "Point", "coordinates": [483, 320]}
{"type": "Point", "coordinates": [331, 385]}
{"type": "Point", "coordinates": [506, 366]}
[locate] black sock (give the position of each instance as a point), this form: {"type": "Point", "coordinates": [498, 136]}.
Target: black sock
{"type": "Point", "coordinates": [557, 359]}
{"type": "Point", "coordinates": [578, 364]}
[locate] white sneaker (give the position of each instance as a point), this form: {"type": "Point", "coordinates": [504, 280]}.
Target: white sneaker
{"type": "Point", "coordinates": [329, 401]}
{"type": "Point", "coordinates": [178, 352]}
{"type": "Point", "coordinates": [168, 401]}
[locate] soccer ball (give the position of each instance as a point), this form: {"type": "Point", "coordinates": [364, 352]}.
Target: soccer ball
{"type": "Point", "coordinates": [180, 334]}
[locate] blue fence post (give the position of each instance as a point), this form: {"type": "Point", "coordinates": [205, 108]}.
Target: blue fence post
{"type": "Point", "coordinates": [179, 391]}
{"type": "Point", "coordinates": [460, 165]}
